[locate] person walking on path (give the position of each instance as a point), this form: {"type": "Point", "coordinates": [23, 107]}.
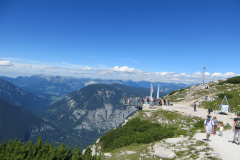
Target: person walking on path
{"type": "Point", "coordinates": [236, 128]}
{"type": "Point", "coordinates": [209, 111]}
{"type": "Point", "coordinates": [208, 126]}
{"type": "Point", "coordinates": [195, 106]}
{"type": "Point", "coordinates": [221, 130]}
{"type": "Point", "coordinates": [215, 124]}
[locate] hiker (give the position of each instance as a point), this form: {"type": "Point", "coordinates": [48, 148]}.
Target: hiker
{"type": "Point", "coordinates": [215, 124]}
{"type": "Point", "coordinates": [125, 100]}
{"type": "Point", "coordinates": [195, 106]}
{"type": "Point", "coordinates": [209, 111]}
{"type": "Point", "coordinates": [206, 98]}
{"type": "Point", "coordinates": [208, 126]}
{"type": "Point", "coordinates": [206, 86]}
{"type": "Point", "coordinates": [221, 130]}
{"type": "Point", "coordinates": [236, 128]}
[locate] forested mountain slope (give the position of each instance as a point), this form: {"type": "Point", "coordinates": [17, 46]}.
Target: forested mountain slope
{"type": "Point", "coordinates": [18, 97]}
{"type": "Point", "coordinates": [18, 122]}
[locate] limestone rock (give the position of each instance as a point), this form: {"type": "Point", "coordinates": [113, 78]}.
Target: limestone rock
{"type": "Point", "coordinates": [130, 152]}
{"type": "Point", "coordinates": [98, 140]}
{"type": "Point", "coordinates": [93, 150]}
{"type": "Point", "coordinates": [216, 81]}
{"type": "Point", "coordinates": [162, 152]}
{"type": "Point", "coordinates": [145, 106]}
{"type": "Point", "coordinates": [200, 148]}
{"type": "Point", "coordinates": [107, 155]}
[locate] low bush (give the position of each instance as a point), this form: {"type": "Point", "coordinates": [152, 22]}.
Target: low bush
{"type": "Point", "coordinates": [135, 131]}
{"type": "Point", "coordinates": [233, 80]}
{"type": "Point", "coordinates": [199, 124]}
{"type": "Point", "coordinates": [222, 95]}
{"type": "Point", "coordinates": [222, 82]}
{"type": "Point", "coordinates": [171, 93]}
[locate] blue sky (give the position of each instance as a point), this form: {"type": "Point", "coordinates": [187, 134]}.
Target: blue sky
{"type": "Point", "coordinates": [162, 40]}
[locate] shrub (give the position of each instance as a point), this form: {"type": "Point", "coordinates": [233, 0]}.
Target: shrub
{"type": "Point", "coordinates": [222, 95]}
{"type": "Point", "coordinates": [233, 80]}
{"type": "Point", "coordinates": [199, 124]}
{"type": "Point", "coordinates": [171, 93]}
{"type": "Point", "coordinates": [221, 83]}
{"type": "Point", "coordinates": [135, 131]}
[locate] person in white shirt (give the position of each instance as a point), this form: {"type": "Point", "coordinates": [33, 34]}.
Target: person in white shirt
{"type": "Point", "coordinates": [221, 130]}
{"type": "Point", "coordinates": [208, 126]}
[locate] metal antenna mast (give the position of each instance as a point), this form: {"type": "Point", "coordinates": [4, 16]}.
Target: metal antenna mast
{"type": "Point", "coordinates": [204, 71]}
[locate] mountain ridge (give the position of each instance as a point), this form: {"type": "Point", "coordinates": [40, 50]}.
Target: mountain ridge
{"type": "Point", "coordinates": [19, 97]}
{"type": "Point", "coordinates": [18, 122]}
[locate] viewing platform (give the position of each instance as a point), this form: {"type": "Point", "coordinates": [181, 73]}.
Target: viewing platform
{"type": "Point", "coordinates": [142, 106]}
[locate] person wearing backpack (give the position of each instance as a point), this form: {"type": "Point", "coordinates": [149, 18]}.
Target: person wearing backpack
{"type": "Point", "coordinates": [208, 126]}
{"type": "Point", "coordinates": [236, 128]}
{"type": "Point", "coordinates": [209, 111]}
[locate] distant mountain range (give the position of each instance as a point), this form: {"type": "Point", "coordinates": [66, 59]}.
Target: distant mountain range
{"type": "Point", "coordinates": [56, 87]}
{"type": "Point", "coordinates": [18, 97]}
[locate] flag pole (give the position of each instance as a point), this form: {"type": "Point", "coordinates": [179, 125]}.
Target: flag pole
{"type": "Point", "coordinates": [150, 90]}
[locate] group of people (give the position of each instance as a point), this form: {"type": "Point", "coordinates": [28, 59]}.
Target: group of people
{"type": "Point", "coordinates": [160, 102]}
{"type": "Point", "coordinates": [127, 100]}
{"type": "Point", "coordinates": [146, 100]}
{"type": "Point", "coordinates": [210, 126]}
{"type": "Point", "coordinates": [206, 86]}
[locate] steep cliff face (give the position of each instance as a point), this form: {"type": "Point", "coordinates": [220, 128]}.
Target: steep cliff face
{"type": "Point", "coordinates": [93, 110]}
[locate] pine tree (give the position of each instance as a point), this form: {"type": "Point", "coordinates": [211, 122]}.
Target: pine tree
{"type": "Point", "coordinates": [20, 151]}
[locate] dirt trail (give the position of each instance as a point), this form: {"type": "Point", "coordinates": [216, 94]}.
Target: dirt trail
{"type": "Point", "coordinates": [220, 144]}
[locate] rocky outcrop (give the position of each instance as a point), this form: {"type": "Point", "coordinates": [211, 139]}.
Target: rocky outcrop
{"type": "Point", "coordinates": [102, 119]}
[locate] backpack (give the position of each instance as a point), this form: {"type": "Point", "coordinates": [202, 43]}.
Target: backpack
{"type": "Point", "coordinates": [237, 124]}
{"type": "Point", "coordinates": [208, 121]}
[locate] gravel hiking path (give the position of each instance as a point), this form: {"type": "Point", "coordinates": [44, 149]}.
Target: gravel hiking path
{"type": "Point", "coordinates": [226, 150]}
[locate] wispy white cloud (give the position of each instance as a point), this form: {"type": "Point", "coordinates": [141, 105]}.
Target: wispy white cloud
{"type": "Point", "coordinates": [52, 68]}
{"type": "Point", "coordinates": [6, 63]}
{"type": "Point", "coordinates": [71, 64]}
{"type": "Point", "coordinates": [68, 69]}
{"type": "Point", "coordinates": [85, 69]}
